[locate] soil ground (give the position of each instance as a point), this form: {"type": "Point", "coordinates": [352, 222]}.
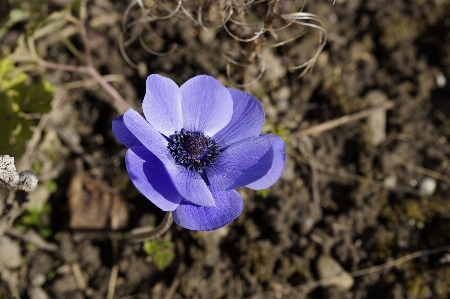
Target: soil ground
{"type": "Point", "coordinates": [355, 193]}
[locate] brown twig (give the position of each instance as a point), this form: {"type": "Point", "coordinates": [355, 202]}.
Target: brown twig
{"type": "Point", "coordinates": [61, 67]}
{"type": "Point", "coordinates": [175, 283]}
{"type": "Point", "coordinates": [32, 237]}
{"type": "Point", "coordinates": [180, 271]}
{"type": "Point", "coordinates": [84, 37]}
{"type": "Point", "coordinates": [112, 281]}
{"type": "Point", "coordinates": [351, 176]}
{"type": "Point", "coordinates": [420, 169]}
{"type": "Point", "coordinates": [315, 130]}
{"type": "Point", "coordinates": [400, 260]}
{"type": "Point", "coordinates": [78, 275]}
{"type": "Point", "coordinates": [115, 254]}
{"type": "Point", "coordinates": [121, 103]}
{"type": "Point", "coordinates": [307, 150]}
{"type": "Point", "coordinates": [90, 64]}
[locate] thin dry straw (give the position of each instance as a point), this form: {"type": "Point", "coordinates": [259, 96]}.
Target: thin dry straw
{"type": "Point", "coordinates": [200, 20]}
{"type": "Point", "coordinates": [146, 48]}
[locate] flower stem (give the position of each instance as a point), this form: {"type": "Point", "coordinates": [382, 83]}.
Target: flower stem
{"type": "Point", "coordinates": [141, 234]}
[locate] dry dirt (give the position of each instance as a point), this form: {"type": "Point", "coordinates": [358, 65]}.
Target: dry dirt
{"type": "Point", "coordinates": [351, 192]}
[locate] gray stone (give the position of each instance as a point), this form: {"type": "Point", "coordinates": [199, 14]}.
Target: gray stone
{"type": "Point", "coordinates": [37, 293]}
{"type": "Point", "coordinates": [333, 273]}
{"type": "Point", "coordinates": [10, 255]}
{"type": "Point", "coordinates": [377, 120]}
{"type": "Point", "coordinates": [427, 186]}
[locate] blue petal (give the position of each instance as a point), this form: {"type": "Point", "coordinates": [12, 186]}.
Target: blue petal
{"type": "Point", "coordinates": [162, 105]}
{"type": "Point", "coordinates": [242, 163]}
{"type": "Point", "coordinates": [147, 135]}
{"type": "Point", "coordinates": [279, 160]}
{"type": "Point", "coordinates": [207, 105]}
{"type": "Point", "coordinates": [247, 120]}
{"type": "Point", "coordinates": [188, 183]}
{"type": "Point", "coordinates": [123, 134]}
{"type": "Point", "coordinates": [229, 206]}
{"type": "Point", "coordinates": [150, 177]}
{"type": "Point", "coordinates": [191, 186]}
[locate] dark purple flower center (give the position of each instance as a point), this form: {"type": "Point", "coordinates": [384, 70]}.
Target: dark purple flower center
{"type": "Point", "coordinates": [195, 145]}
{"type": "Point", "coordinates": [193, 150]}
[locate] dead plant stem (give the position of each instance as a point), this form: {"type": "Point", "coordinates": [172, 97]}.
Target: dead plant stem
{"type": "Point", "coordinates": [434, 174]}
{"type": "Point", "coordinates": [85, 41]}
{"type": "Point", "coordinates": [350, 176]}
{"type": "Point", "coordinates": [112, 282]}
{"type": "Point", "coordinates": [400, 260]}
{"type": "Point", "coordinates": [315, 130]}
{"type": "Point", "coordinates": [62, 67]}
{"type": "Point", "coordinates": [122, 104]}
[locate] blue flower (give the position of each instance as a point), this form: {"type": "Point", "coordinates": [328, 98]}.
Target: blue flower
{"type": "Point", "coordinates": [195, 146]}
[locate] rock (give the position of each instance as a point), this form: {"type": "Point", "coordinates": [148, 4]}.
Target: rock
{"type": "Point", "coordinates": [441, 81]}
{"type": "Point", "coordinates": [63, 285]}
{"type": "Point", "coordinates": [10, 255]}
{"type": "Point", "coordinates": [390, 181]}
{"type": "Point", "coordinates": [327, 267]}
{"type": "Point", "coordinates": [37, 293]}
{"type": "Point", "coordinates": [207, 36]}
{"type": "Point", "coordinates": [377, 120]}
{"type": "Point", "coordinates": [427, 186]}
{"type": "Point", "coordinates": [38, 280]}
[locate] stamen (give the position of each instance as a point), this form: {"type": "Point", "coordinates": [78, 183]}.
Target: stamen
{"type": "Point", "coordinates": [195, 145]}
{"type": "Point", "coordinates": [193, 150]}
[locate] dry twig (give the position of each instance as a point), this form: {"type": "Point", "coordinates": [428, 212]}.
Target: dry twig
{"type": "Point", "coordinates": [315, 130]}
{"type": "Point", "coordinates": [422, 170]}
{"type": "Point", "coordinates": [350, 176]}
{"type": "Point", "coordinates": [120, 103]}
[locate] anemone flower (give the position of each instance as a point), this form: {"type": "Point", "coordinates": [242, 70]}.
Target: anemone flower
{"type": "Point", "coordinates": [195, 146]}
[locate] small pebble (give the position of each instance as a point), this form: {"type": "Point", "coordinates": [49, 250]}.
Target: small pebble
{"type": "Point", "coordinates": [440, 80]}
{"type": "Point", "coordinates": [38, 280]}
{"type": "Point", "coordinates": [377, 120]}
{"type": "Point", "coordinates": [37, 293]}
{"type": "Point", "coordinates": [333, 17]}
{"type": "Point", "coordinates": [10, 255]}
{"type": "Point", "coordinates": [329, 269]}
{"type": "Point", "coordinates": [207, 36]}
{"type": "Point", "coordinates": [390, 181]}
{"type": "Point", "coordinates": [427, 186]}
